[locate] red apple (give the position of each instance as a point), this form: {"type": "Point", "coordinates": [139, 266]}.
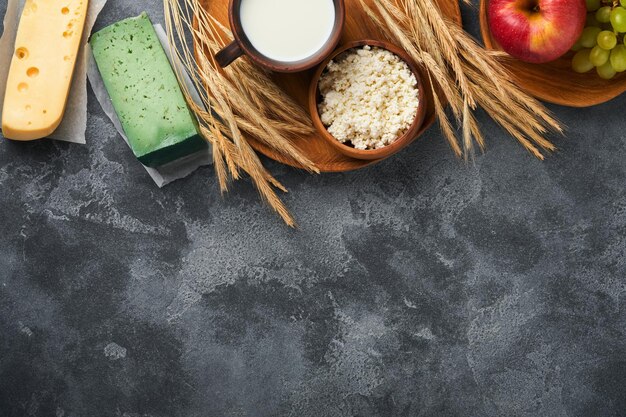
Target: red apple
{"type": "Point", "coordinates": [537, 30]}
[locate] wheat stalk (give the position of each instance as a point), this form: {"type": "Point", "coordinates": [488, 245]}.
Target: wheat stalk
{"type": "Point", "coordinates": [238, 102]}
{"type": "Point", "coordinates": [463, 74]}
{"type": "Point", "coordinates": [242, 101]}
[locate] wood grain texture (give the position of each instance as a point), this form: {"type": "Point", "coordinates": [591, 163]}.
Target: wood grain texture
{"type": "Point", "coordinates": [556, 82]}
{"type": "Point", "coordinates": [357, 26]}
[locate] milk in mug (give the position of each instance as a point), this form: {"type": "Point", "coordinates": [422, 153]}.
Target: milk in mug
{"type": "Point", "coordinates": [287, 30]}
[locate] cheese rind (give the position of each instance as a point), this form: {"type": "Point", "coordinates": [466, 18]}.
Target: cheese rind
{"type": "Point", "coordinates": [46, 46]}
{"type": "Point", "coordinates": [145, 92]}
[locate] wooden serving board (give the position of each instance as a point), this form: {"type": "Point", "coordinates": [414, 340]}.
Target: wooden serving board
{"type": "Point", "coordinates": [357, 26]}
{"type": "Point", "coordinates": [556, 82]}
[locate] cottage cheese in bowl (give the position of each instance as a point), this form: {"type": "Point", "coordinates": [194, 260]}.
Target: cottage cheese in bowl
{"type": "Point", "coordinates": [369, 97]}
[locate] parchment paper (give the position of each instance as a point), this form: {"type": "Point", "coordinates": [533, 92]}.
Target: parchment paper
{"type": "Point", "coordinates": [167, 173]}
{"type": "Point", "coordinates": [74, 123]}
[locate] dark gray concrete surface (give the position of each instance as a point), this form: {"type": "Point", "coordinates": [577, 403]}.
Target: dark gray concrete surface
{"type": "Point", "coordinates": [418, 287]}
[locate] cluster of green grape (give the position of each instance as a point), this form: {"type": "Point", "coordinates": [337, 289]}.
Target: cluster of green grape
{"type": "Point", "coordinates": [602, 44]}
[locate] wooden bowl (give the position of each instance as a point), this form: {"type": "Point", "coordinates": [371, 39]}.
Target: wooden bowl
{"type": "Point", "coordinates": [371, 154]}
{"type": "Point", "coordinates": [556, 82]}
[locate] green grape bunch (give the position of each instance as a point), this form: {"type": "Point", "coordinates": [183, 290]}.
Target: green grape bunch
{"type": "Point", "coordinates": [602, 44]}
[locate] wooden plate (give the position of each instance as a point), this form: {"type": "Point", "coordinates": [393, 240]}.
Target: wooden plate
{"type": "Point", "coordinates": [556, 82]}
{"type": "Point", "coordinates": [315, 147]}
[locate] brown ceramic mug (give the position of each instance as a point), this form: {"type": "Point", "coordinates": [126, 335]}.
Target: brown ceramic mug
{"type": "Point", "coordinates": [242, 45]}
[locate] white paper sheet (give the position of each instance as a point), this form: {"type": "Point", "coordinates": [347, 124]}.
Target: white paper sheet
{"type": "Point", "coordinates": [74, 123]}
{"type": "Point", "coordinates": [167, 173]}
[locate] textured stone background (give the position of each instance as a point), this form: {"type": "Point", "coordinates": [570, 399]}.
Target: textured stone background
{"type": "Point", "coordinates": [418, 287]}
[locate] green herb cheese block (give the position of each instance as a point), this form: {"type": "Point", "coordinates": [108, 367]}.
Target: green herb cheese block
{"type": "Point", "coordinates": [145, 92]}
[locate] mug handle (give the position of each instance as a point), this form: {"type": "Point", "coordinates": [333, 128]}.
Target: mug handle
{"type": "Point", "coordinates": [230, 53]}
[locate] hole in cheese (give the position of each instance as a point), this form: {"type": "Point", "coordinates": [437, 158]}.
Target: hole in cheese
{"type": "Point", "coordinates": [65, 10]}
{"type": "Point", "coordinates": [28, 107]}
{"type": "Point", "coordinates": [31, 7]}
{"type": "Point", "coordinates": [45, 111]}
{"type": "Point", "coordinates": [21, 53]}
{"type": "Point", "coordinates": [67, 58]}
{"type": "Point", "coordinates": [32, 72]}
{"type": "Point", "coordinates": [22, 87]}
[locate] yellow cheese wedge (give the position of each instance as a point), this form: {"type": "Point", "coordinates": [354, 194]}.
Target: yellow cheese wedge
{"type": "Point", "coordinates": [46, 47]}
